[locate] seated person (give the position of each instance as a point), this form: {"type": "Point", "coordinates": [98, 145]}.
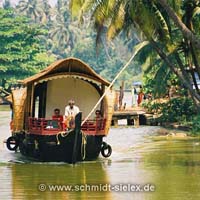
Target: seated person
{"type": "Point", "coordinates": [70, 112]}
{"type": "Point", "coordinates": [57, 119]}
{"type": "Point", "coordinates": [57, 115]}
{"type": "Point", "coordinates": [99, 119]}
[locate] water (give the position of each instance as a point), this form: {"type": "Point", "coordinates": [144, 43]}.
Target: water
{"type": "Point", "coordinates": [171, 166]}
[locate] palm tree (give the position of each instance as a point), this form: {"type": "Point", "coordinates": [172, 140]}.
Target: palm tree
{"type": "Point", "coordinates": [63, 31]}
{"type": "Point", "coordinates": [46, 11]}
{"type": "Point", "coordinates": [187, 33]}
{"type": "Point", "coordinates": [7, 4]}
{"type": "Point", "coordinates": [31, 8]}
{"type": "Point", "coordinates": [191, 20]}
{"type": "Point", "coordinates": [153, 19]}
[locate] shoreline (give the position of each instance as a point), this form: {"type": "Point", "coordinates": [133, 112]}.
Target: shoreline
{"type": "Point", "coordinates": [168, 133]}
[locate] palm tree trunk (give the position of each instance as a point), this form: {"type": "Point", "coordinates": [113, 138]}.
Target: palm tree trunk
{"type": "Point", "coordinates": [180, 74]}
{"type": "Point", "coordinates": [194, 57]}
{"type": "Point", "coordinates": [106, 48]}
{"type": "Point", "coordinates": [185, 31]}
{"type": "Point", "coordinates": [185, 74]}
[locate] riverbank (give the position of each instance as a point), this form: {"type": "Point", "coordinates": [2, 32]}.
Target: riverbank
{"type": "Point", "coordinates": [174, 134]}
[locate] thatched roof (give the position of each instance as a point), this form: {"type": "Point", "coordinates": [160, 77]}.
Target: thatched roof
{"type": "Point", "coordinates": [69, 66]}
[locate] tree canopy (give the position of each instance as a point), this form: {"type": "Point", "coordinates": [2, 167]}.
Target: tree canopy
{"type": "Point", "coordinates": [171, 27]}
{"type": "Point", "coordinates": [21, 52]}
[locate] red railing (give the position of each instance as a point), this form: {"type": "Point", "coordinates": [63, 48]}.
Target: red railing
{"type": "Point", "coordinates": [94, 127]}
{"type": "Point", "coordinates": [42, 126]}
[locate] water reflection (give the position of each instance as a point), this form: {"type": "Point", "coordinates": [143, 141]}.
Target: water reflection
{"type": "Point", "coordinates": [26, 179]}
{"type": "Point", "coordinates": [175, 167]}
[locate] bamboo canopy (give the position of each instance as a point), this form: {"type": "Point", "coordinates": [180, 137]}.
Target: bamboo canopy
{"type": "Point", "coordinates": [70, 66]}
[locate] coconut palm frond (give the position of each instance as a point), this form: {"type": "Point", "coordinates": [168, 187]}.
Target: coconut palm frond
{"type": "Point", "coordinates": [100, 16]}
{"type": "Point", "coordinates": [196, 12]}
{"type": "Point", "coordinates": [150, 63]}
{"type": "Point", "coordinates": [75, 7]}
{"type": "Point", "coordinates": [196, 20]}
{"type": "Point", "coordinates": [117, 21]}
{"type": "Point", "coordinates": [162, 25]}
{"type": "Point", "coordinates": [146, 57]}
{"type": "Point", "coordinates": [160, 79]}
{"type": "Point", "coordinates": [176, 5]}
{"type": "Point", "coordinates": [88, 5]}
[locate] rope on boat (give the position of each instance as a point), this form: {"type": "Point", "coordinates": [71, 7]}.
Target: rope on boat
{"type": "Point", "coordinates": [83, 142]}
{"type": "Point", "coordinates": [137, 49]}
{"type": "Point", "coordinates": [83, 145]}
{"type": "Point", "coordinates": [63, 134]}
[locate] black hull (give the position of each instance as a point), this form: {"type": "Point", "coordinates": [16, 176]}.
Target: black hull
{"type": "Point", "coordinates": [71, 146]}
{"type": "Point", "coordinates": [60, 148]}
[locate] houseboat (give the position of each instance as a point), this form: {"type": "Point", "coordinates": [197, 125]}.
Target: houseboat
{"type": "Point", "coordinates": [37, 135]}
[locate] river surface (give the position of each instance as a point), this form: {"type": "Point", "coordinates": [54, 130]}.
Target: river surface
{"type": "Point", "coordinates": [163, 169]}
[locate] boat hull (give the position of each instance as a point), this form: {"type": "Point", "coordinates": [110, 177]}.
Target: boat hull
{"type": "Point", "coordinates": [59, 148]}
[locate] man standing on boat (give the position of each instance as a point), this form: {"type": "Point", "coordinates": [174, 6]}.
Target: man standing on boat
{"type": "Point", "coordinates": [70, 112]}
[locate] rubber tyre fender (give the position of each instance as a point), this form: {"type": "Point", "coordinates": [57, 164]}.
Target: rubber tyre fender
{"type": "Point", "coordinates": [10, 140]}
{"type": "Point", "coordinates": [106, 147]}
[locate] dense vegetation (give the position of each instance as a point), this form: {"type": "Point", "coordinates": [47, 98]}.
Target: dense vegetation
{"type": "Point", "coordinates": [171, 28]}
{"type": "Point", "coordinates": [34, 34]}
{"type": "Point", "coordinates": [180, 109]}
{"type": "Point", "coordinates": [21, 52]}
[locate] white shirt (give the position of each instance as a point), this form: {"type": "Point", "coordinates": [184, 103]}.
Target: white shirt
{"type": "Point", "coordinates": [71, 111]}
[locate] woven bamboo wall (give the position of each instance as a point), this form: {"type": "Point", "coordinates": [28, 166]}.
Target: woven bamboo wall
{"type": "Point", "coordinates": [109, 105]}
{"type": "Point", "coordinates": [19, 97]}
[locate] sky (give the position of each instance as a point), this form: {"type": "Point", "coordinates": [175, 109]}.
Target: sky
{"type": "Point", "coordinates": [52, 2]}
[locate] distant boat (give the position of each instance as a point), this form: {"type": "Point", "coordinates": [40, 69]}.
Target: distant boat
{"type": "Point", "coordinates": [39, 136]}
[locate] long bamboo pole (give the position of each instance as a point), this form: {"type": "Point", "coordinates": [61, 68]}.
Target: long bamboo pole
{"type": "Point", "coordinates": [141, 45]}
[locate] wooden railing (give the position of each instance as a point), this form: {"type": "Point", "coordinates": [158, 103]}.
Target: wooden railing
{"type": "Point", "coordinates": [42, 126]}
{"type": "Point", "coordinates": [94, 127]}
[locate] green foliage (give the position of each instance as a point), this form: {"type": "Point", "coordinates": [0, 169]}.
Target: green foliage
{"type": "Point", "coordinates": [196, 125]}
{"type": "Point", "coordinates": [103, 65]}
{"type": "Point", "coordinates": [33, 34]}
{"type": "Point", "coordinates": [152, 106]}
{"type": "Point", "coordinates": [31, 8]}
{"type": "Point", "coordinates": [164, 30]}
{"type": "Point", "coordinates": [20, 50]}
{"type": "Point", "coordinates": [175, 110]}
